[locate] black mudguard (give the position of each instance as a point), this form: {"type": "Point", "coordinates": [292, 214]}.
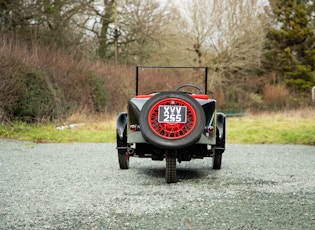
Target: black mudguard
{"type": "Point", "coordinates": [121, 130]}
{"type": "Point", "coordinates": [220, 139]}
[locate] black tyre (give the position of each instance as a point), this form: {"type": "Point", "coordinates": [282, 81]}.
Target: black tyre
{"type": "Point", "coordinates": [216, 160]}
{"type": "Point", "coordinates": [170, 171]}
{"type": "Point", "coordinates": [172, 135]}
{"type": "Point", "coordinates": [123, 159]}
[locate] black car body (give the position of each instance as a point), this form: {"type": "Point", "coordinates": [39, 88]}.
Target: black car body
{"type": "Point", "coordinates": [171, 125]}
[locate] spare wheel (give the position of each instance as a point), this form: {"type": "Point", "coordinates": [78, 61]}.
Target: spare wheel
{"type": "Point", "coordinates": [172, 120]}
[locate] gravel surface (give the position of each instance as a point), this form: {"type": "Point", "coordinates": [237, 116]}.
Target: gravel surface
{"type": "Point", "coordinates": [80, 186]}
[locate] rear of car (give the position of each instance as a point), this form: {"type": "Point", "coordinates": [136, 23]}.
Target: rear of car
{"type": "Point", "coordinates": [172, 125]}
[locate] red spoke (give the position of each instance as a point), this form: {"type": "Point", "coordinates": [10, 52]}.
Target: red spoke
{"type": "Point", "coordinates": [172, 130]}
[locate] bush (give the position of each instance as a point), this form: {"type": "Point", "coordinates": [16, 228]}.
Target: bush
{"type": "Point", "coordinates": [40, 84]}
{"type": "Point", "coordinates": [276, 96]}
{"type": "Point", "coordinates": [97, 85]}
{"type": "Point", "coordinates": [301, 79]}
{"type": "Point", "coordinates": [34, 97]}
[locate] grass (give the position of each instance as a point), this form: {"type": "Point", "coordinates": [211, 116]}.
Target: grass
{"type": "Point", "coordinates": [291, 127]}
{"type": "Point", "coordinates": [98, 132]}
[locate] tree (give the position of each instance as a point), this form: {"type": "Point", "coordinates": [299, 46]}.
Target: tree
{"type": "Point", "coordinates": [228, 35]}
{"type": "Point", "coordinates": [46, 21]}
{"type": "Point", "coordinates": [16, 15]}
{"type": "Point", "coordinates": [145, 30]}
{"type": "Point", "coordinates": [198, 26]}
{"type": "Point", "coordinates": [99, 20]}
{"type": "Point", "coordinates": [291, 43]}
{"type": "Point", "coordinates": [145, 27]}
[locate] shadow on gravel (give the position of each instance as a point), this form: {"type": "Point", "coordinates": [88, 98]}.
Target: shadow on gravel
{"type": "Point", "coordinates": [187, 174]}
{"type": "Point", "coordinates": [182, 173]}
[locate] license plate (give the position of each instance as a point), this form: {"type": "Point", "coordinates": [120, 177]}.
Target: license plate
{"type": "Point", "coordinates": [172, 114]}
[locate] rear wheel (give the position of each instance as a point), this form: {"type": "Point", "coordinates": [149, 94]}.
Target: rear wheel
{"type": "Point", "coordinates": [123, 159]}
{"type": "Point", "coordinates": [170, 172]}
{"type": "Point", "coordinates": [216, 160]}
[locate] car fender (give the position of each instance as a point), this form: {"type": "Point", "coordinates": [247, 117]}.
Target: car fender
{"type": "Point", "coordinates": [220, 139]}
{"type": "Point", "coordinates": [121, 129]}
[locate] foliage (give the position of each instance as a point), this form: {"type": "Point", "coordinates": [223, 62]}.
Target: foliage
{"type": "Point", "coordinates": [27, 94]}
{"type": "Point", "coordinates": [96, 83]}
{"type": "Point", "coordinates": [143, 27]}
{"type": "Point", "coordinates": [291, 44]}
{"type": "Point", "coordinates": [65, 48]}
{"type": "Point", "coordinates": [146, 30]}
{"type": "Point", "coordinates": [36, 98]}
{"type": "Point", "coordinates": [40, 84]}
{"type": "Point", "coordinates": [43, 21]}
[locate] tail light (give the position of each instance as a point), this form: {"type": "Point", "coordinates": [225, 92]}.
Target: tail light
{"type": "Point", "coordinates": [134, 128]}
{"type": "Point", "coordinates": [209, 129]}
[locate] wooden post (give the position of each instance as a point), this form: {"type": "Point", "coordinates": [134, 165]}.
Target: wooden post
{"type": "Point", "coordinates": [116, 33]}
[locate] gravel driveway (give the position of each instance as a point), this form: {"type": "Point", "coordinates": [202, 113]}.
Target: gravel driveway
{"type": "Point", "coordinates": [79, 186]}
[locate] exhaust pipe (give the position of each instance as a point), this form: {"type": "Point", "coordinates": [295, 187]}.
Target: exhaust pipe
{"type": "Point", "coordinates": [131, 151]}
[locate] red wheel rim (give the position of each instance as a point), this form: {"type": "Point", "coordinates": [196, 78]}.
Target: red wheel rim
{"type": "Point", "coordinates": [172, 130]}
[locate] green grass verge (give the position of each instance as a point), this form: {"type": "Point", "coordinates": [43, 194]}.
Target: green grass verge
{"type": "Point", "coordinates": [259, 129]}
{"type": "Point", "coordinates": [102, 132]}
{"type": "Point", "coordinates": [271, 130]}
